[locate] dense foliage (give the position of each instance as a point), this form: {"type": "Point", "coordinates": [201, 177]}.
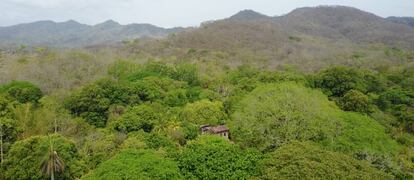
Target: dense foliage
{"type": "Point", "coordinates": [273, 115]}
{"type": "Point", "coordinates": [93, 101]}
{"type": "Point", "coordinates": [136, 164]}
{"type": "Point", "coordinates": [142, 117]}
{"type": "Point", "coordinates": [210, 157]}
{"type": "Point", "coordinates": [204, 112]}
{"type": "Point", "coordinates": [25, 158]}
{"type": "Point", "coordinates": [128, 114]}
{"type": "Point", "coordinates": [303, 160]}
{"type": "Point", "coordinates": [355, 101]}
{"type": "Point", "coordinates": [339, 80]}
{"type": "Point", "coordinates": [22, 91]}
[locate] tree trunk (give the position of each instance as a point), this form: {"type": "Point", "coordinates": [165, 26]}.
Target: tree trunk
{"type": "Point", "coordinates": [52, 175]}
{"type": "Point", "coordinates": [55, 125]}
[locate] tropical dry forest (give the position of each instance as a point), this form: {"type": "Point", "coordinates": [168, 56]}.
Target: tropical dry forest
{"type": "Point", "coordinates": [319, 93]}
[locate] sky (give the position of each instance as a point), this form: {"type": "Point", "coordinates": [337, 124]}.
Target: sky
{"type": "Point", "coordinates": [173, 13]}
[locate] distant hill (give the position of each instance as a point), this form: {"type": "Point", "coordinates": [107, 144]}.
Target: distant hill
{"type": "Point", "coordinates": [246, 29]}
{"type": "Point", "coordinates": [307, 37]}
{"type": "Point", "coordinates": [346, 23]}
{"type": "Point", "coordinates": [403, 20]}
{"type": "Point", "coordinates": [249, 15]}
{"type": "Point", "coordinates": [325, 24]}
{"type": "Point", "coordinates": [74, 34]}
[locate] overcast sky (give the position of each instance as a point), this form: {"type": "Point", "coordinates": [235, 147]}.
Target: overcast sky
{"type": "Point", "coordinates": [170, 13]}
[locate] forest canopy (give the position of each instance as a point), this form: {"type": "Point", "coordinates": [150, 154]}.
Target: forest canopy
{"type": "Point", "coordinates": [319, 93]}
{"type": "Point", "coordinates": [143, 120]}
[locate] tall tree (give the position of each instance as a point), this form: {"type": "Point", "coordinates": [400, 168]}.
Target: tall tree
{"type": "Point", "coordinates": [27, 159]}
{"type": "Point", "coordinates": [52, 163]}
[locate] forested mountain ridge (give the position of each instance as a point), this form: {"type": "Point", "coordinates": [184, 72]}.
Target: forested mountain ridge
{"type": "Point", "coordinates": [74, 34]}
{"type": "Point", "coordinates": [338, 23]}
{"type": "Point", "coordinates": [346, 23]}
{"type": "Point", "coordinates": [310, 38]}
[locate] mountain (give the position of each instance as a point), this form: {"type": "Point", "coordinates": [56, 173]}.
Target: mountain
{"type": "Point", "coordinates": [402, 20]}
{"type": "Point", "coordinates": [41, 32]}
{"type": "Point", "coordinates": [329, 25]}
{"type": "Point", "coordinates": [108, 24]}
{"type": "Point", "coordinates": [249, 15]}
{"type": "Point", "coordinates": [308, 37]}
{"type": "Point", "coordinates": [74, 34]}
{"type": "Point", "coordinates": [346, 23]}
{"type": "Point", "coordinates": [247, 29]}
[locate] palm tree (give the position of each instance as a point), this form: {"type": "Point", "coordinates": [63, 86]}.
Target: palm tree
{"type": "Point", "coordinates": [52, 163]}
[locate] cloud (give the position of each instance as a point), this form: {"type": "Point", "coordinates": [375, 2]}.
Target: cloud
{"type": "Point", "coordinates": [38, 3]}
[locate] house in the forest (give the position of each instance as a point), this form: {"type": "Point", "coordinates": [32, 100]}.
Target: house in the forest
{"type": "Point", "coordinates": [220, 130]}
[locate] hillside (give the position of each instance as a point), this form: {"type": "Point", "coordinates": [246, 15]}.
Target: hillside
{"type": "Point", "coordinates": [309, 38]}
{"type": "Point", "coordinates": [346, 23]}
{"type": "Point", "coordinates": [335, 23]}
{"type": "Point", "coordinates": [402, 20]}
{"type": "Point", "coordinates": [74, 34]}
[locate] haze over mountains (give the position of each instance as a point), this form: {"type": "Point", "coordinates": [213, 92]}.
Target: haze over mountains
{"type": "Point", "coordinates": [327, 23]}
{"type": "Point", "coordinates": [73, 34]}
